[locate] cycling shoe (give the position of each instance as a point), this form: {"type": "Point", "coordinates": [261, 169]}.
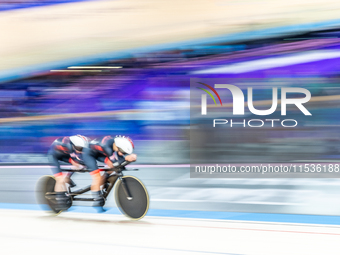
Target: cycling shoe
{"type": "Point", "coordinates": [62, 202]}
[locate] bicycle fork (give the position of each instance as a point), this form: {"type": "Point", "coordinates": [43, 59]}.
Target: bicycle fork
{"type": "Point", "coordinates": [126, 189]}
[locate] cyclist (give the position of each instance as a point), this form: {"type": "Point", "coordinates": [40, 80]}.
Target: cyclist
{"type": "Point", "coordinates": [69, 150]}
{"type": "Point", "coordinates": [109, 150]}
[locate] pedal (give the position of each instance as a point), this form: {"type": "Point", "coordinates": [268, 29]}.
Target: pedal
{"type": "Point", "coordinates": [50, 196]}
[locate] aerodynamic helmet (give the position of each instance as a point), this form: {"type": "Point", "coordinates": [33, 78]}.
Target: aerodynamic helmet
{"type": "Point", "coordinates": [79, 142]}
{"type": "Point", "coordinates": [124, 144]}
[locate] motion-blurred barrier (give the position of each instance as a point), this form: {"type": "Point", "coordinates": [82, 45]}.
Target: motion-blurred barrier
{"type": "Point", "coordinates": [149, 152]}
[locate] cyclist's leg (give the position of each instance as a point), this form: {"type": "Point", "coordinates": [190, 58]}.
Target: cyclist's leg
{"type": "Point", "coordinates": [90, 159]}
{"type": "Point", "coordinates": [67, 159]}
{"type": "Point", "coordinates": [60, 187]}
{"type": "Point", "coordinates": [54, 158]}
{"type": "Point", "coordinates": [106, 174]}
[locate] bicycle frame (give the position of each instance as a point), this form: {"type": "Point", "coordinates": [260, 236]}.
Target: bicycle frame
{"type": "Point", "coordinates": [111, 180]}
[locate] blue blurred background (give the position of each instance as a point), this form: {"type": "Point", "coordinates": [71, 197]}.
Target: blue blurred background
{"type": "Point", "coordinates": [142, 55]}
{"type": "Point", "coordinates": [147, 97]}
{"type": "Point", "coordinates": [138, 83]}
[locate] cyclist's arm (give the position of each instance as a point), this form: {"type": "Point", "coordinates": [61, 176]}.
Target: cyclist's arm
{"type": "Point", "coordinates": [114, 160]}
{"type": "Point", "coordinates": [107, 150]}
{"type": "Point", "coordinates": [131, 157]}
{"type": "Point", "coordinates": [108, 162]}
{"type": "Point", "coordinates": [110, 155]}
{"type": "Point", "coordinates": [75, 164]}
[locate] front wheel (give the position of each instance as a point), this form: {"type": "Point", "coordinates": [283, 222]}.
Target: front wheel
{"type": "Point", "coordinates": [136, 205]}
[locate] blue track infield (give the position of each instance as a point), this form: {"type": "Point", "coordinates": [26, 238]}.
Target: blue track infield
{"type": "Point", "coordinates": [257, 217]}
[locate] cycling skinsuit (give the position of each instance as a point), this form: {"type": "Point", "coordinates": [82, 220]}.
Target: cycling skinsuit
{"type": "Point", "coordinates": [101, 149]}
{"type": "Point", "coordinates": [62, 150]}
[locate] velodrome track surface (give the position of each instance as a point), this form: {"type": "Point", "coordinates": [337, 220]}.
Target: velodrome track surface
{"type": "Point", "coordinates": [34, 232]}
{"type": "Point", "coordinates": [181, 220]}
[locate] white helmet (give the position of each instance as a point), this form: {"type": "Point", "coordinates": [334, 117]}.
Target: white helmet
{"type": "Point", "coordinates": [124, 144]}
{"type": "Point", "coordinates": [79, 142]}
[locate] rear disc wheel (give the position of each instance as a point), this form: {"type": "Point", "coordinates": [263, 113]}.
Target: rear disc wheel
{"type": "Point", "coordinates": [46, 196]}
